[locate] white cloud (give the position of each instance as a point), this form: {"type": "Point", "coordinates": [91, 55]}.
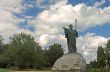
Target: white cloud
{"type": "Point", "coordinates": [42, 4]}
{"type": "Point", "coordinates": [46, 40]}
{"type": "Point", "coordinates": [11, 5]}
{"type": "Point", "coordinates": [8, 21]}
{"type": "Point", "coordinates": [62, 14]}
{"type": "Point", "coordinates": [87, 45]}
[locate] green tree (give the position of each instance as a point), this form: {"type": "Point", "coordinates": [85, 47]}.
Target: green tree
{"type": "Point", "coordinates": [21, 50]}
{"type": "Point", "coordinates": [2, 50]}
{"type": "Point", "coordinates": [53, 53]}
{"type": "Point", "coordinates": [107, 53]}
{"type": "Point", "coordinates": [93, 64]}
{"type": "Point", "coordinates": [1, 45]}
{"type": "Point", "coordinates": [41, 60]}
{"type": "Point", "coordinates": [100, 57]}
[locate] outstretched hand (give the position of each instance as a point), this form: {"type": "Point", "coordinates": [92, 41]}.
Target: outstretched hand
{"type": "Point", "coordinates": [64, 28]}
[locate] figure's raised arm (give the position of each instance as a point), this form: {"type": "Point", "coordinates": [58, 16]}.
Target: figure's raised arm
{"type": "Point", "coordinates": [65, 31]}
{"type": "Point", "coordinates": [64, 28]}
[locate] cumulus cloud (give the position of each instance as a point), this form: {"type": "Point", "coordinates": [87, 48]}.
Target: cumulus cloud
{"type": "Point", "coordinates": [11, 5]}
{"type": "Point", "coordinates": [62, 14]}
{"type": "Point", "coordinates": [8, 21]}
{"type": "Point", "coordinates": [47, 40]}
{"type": "Point", "coordinates": [88, 44]}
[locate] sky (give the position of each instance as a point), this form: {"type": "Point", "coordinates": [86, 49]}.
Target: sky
{"type": "Point", "coordinates": [44, 19]}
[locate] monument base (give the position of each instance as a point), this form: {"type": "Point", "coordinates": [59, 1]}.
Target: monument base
{"type": "Point", "coordinates": [71, 62]}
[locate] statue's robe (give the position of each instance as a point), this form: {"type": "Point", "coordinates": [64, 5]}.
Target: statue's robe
{"type": "Point", "coordinates": [71, 36]}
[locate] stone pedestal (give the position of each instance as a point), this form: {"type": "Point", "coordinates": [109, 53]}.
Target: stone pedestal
{"type": "Point", "coordinates": [71, 62]}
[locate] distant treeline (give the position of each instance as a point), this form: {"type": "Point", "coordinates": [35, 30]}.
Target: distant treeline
{"type": "Point", "coordinates": [24, 52]}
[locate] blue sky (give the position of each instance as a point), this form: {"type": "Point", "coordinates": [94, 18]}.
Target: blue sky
{"type": "Point", "coordinates": [103, 30]}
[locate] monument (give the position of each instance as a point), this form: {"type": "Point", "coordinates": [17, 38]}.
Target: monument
{"type": "Point", "coordinates": [72, 61]}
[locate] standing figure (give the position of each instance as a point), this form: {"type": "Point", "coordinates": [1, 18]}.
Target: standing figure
{"type": "Point", "coordinates": [71, 35]}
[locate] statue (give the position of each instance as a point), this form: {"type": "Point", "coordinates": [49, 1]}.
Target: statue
{"type": "Point", "coordinates": [71, 35]}
{"type": "Point", "coordinates": [72, 61]}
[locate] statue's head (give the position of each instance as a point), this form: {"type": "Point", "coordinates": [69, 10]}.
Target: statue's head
{"type": "Point", "coordinates": [71, 26]}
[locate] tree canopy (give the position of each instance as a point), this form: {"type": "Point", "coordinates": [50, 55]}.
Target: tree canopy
{"type": "Point", "coordinates": [54, 52]}
{"type": "Point", "coordinates": [24, 52]}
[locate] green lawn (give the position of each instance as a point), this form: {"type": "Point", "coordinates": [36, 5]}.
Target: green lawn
{"type": "Point", "coordinates": [88, 70]}
{"type": "Point", "coordinates": [7, 70]}
{"type": "Point", "coordinates": [4, 70]}
{"type": "Point", "coordinates": [31, 71]}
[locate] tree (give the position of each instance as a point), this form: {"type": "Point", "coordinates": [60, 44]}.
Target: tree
{"type": "Point", "coordinates": [40, 58]}
{"type": "Point", "coordinates": [93, 64]}
{"type": "Point", "coordinates": [108, 45]}
{"type": "Point", "coordinates": [107, 53]}
{"type": "Point", "coordinates": [100, 57]}
{"type": "Point", "coordinates": [2, 50]}
{"type": "Point", "coordinates": [21, 51]}
{"type": "Point", "coordinates": [1, 45]}
{"type": "Point", "coordinates": [53, 53]}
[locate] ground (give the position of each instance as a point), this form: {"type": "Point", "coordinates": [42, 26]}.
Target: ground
{"type": "Point", "coordinates": [31, 71]}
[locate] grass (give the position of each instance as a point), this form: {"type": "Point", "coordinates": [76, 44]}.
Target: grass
{"type": "Point", "coordinates": [31, 71]}
{"type": "Point", "coordinates": [98, 70]}
{"type": "Point", "coordinates": [88, 70]}
{"type": "Point", "coordinates": [5, 70]}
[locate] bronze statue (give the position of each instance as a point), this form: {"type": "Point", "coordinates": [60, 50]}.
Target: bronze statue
{"type": "Point", "coordinates": [71, 35]}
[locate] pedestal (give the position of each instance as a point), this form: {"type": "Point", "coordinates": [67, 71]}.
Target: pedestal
{"type": "Point", "coordinates": [71, 62]}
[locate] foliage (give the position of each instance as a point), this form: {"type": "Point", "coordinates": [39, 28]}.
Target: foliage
{"type": "Point", "coordinates": [24, 52]}
{"type": "Point", "coordinates": [107, 53]}
{"type": "Point", "coordinates": [97, 70]}
{"type": "Point", "coordinates": [2, 50]}
{"type": "Point", "coordinates": [93, 64]}
{"type": "Point", "coordinates": [103, 57]}
{"type": "Point", "coordinates": [40, 59]}
{"type": "Point", "coordinates": [1, 45]}
{"type": "Point", "coordinates": [53, 53]}
{"type": "Point", "coordinates": [100, 57]}
{"type": "Point", "coordinates": [21, 50]}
